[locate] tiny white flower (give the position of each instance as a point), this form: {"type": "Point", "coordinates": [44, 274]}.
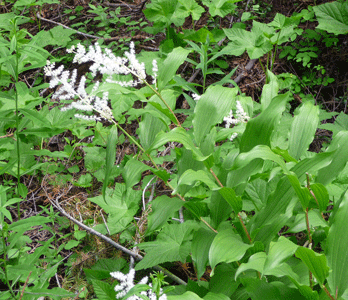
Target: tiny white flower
{"type": "Point", "coordinates": [196, 97]}
{"type": "Point", "coordinates": [240, 117]}
{"type": "Point", "coordinates": [126, 282]}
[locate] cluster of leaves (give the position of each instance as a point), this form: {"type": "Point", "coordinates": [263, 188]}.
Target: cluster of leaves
{"type": "Point", "coordinates": [236, 205]}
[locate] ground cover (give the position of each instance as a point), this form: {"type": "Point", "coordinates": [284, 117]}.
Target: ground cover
{"type": "Point", "coordinates": [201, 140]}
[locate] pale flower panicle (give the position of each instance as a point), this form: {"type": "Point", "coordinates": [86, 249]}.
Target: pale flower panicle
{"type": "Point", "coordinates": [239, 117]}
{"type": "Point", "coordinates": [105, 63]}
{"type": "Point", "coordinates": [126, 283]}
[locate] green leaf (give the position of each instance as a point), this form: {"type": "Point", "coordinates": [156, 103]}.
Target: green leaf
{"type": "Point", "coordinates": [336, 249]}
{"type": "Point", "coordinates": [132, 172]}
{"type": "Point", "coordinates": [172, 244]}
{"type": "Point", "coordinates": [226, 247]}
{"type": "Point", "coordinates": [332, 17]}
{"type": "Point", "coordinates": [278, 252]}
{"type": "Point", "coordinates": [201, 243]}
{"type": "Point", "coordinates": [254, 41]}
{"type": "Point", "coordinates": [213, 296]}
{"type": "Point", "coordinates": [191, 176]}
{"type": "Point", "coordinates": [179, 135]}
{"type": "Point", "coordinates": [255, 262]}
{"type": "Point", "coordinates": [189, 7]}
{"type": "Point", "coordinates": [36, 117]}
{"type": "Point", "coordinates": [220, 7]}
{"type": "Point", "coordinates": [162, 208]}
{"type": "Point", "coordinates": [259, 130]}
{"type": "Point", "coordinates": [269, 90]}
{"type": "Point", "coordinates": [303, 129]}
{"type": "Point", "coordinates": [223, 280]}
{"type": "Point", "coordinates": [121, 205]}
{"type": "Point", "coordinates": [261, 290]}
{"type": "Point", "coordinates": [110, 156]}
{"type": "Point", "coordinates": [340, 157]}
{"type": "Point", "coordinates": [268, 221]}
{"type": "Point", "coordinates": [171, 64]}
{"type": "Point", "coordinates": [185, 296]}
{"type": "Point", "coordinates": [315, 262]}
{"type": "Point", "coordinates": [212, 107]}
{"type": "Point", "coordinates": [321, 194]}
{"type": "Point", "coordinates": [29, 222]}
{"type": "Point", "coordinates": [230, 196]}
{"type": "Point", "coordinates": [303, 194]}
{"type": "Point", "coordinates": [260, 151]}
{"type": "Point", "coordinates": [103, 290]}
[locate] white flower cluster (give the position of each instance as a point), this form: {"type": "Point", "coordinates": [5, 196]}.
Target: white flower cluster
{"type": "Point", "coordinates": [127, 282]}
{"type": "Point", "coordinates": [105, 63]}
{"type": "Point", "coordinates": [240, 117]}
{"type": "Point", "coordinates": [68, 90]}
{"type": "Point", "coordinates": [195, 97]}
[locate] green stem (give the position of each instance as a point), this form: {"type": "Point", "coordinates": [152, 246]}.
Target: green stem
{"type": "Point", "coordinates": [5, 266]}
{"type": "Point", "coordinates": [239, 216]}
{"type": "Point", "coordinates": [164, 101]}
{"type": "Point", "coordinates": [263, 69]}
{"type": "Point", "coordinates": [17, 130]}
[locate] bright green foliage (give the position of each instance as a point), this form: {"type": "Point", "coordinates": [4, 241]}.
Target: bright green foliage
{"type": "Point", "coordinates": [332, 17]}
{"type": "Point", "coordinates": [227, 185]}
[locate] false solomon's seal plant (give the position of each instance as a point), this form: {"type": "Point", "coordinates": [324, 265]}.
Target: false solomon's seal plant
{"type": "Point", "coordinates": [240, 192]}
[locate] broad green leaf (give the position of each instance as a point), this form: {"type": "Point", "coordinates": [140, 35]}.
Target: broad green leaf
{"type": "Point", "coordinates": [315, 262]}
{"type": "Point", "coordinates": [321, 195]}
{"type": "Point", "coordinates": [259, 151]}
{"type": "Point", "coordinates": [219, 208]}
{"type": "Point", "coordinates": [223, 280]}
{"type": "Point", "coordinates": [302, 193]}
{"type": "Point", "coordinates": [332, 17]}
{"type": "Point", "coordinates": [121, 205]}
{"type": "Point", "coordinates": [260, 290]}
{"type": "Point", "coordinates": [336, 249]}
{"type": "Point", "coordinates": [189, 7]}
{"type": "Point", "coordinates": [212, 107]}
{"type": "Point", "coordinates": [306, 291]}
{"type": "Point", "coordinates": [132, 172]}
{"type": "Point", "coordinates": [191, 176]}
{"type": "Point", "coordinates": [161, 209]}
{"type": "Point", "coordinates": [341, 123]}
{"type": "Point", "coordinates": [278, 252]}
{"type": "Point", "coordinates": [269, 90]}
{"type": "Point", "coordinates": [303, 129]}
{"type": "Point", "coordinates": [179, 135]}
{"type": "Point", "coordinates": [220, 7]}
{"type": "Point", "coordinates": [226, 247]}
{"type": "Point", "coordinates": [103, 290]}
{"type": "Point", "coordinates": [27, 223]}
{"type": "Point", "coordinates": [171, 64]}
{"type": "Point", "coordinates": [201, 243]}
{"type": "Point", "coordinates": [172, 244]}
{"type": "Point", "coordinates": [259, 130]}
{"type": "Point", "coordinates": [36, 117]}
{"type": "Point", "coordinates": [110, 156]}
{"type": "Point", "coordinates": [162, 13]}
{"type": "Point", "coordinates": [148, 129]}
{"type": "Point", "coordinates": [197, 208]}
{"type": "Point", "coordinates": [213, 296]}
{"type": "Point", "coordinates": [339, 159]}
{"type": "Point", "coordinates": [185, 296]}
{"type": "Point", "coordinates": [254, 41]}
{"type": "Point", "coordinates": [299, 223]}
{"type": "Point", "coordinates": [255, 262]}
{"type": "Point", "coordinates": [273, 216]}
{"type": "Point", "coordinates": [230, 196]}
